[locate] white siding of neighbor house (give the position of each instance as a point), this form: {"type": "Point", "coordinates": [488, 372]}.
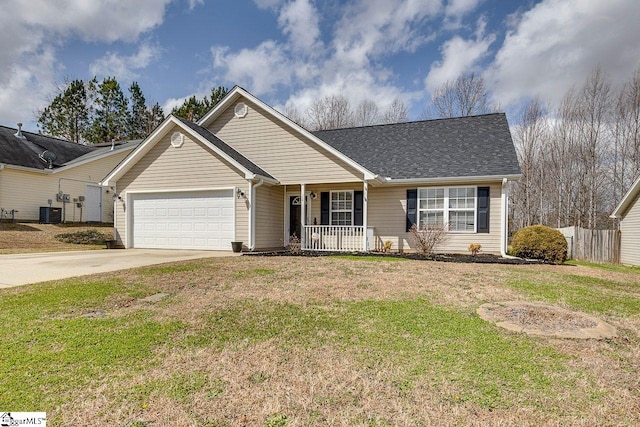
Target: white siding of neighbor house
{"type": "Point", "coordinates": [269, 217]}
{"type": "Point", "coordinates": [387, 214]}
{"type": "Point", "coordinates": [191, 166]}
{"type": "Point", "coordinates": [276, 148]}
{"type": "Point", "coordinates": [27, 191]}
{"type": "Point", "coordinates": [630, 235]}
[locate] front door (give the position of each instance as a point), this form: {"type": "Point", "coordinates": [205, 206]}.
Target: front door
{"type": "Point", "coordinates": [294, 216]}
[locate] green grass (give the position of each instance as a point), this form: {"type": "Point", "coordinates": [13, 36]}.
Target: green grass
{"type": "Point", "coordinates": [423, 340]}
{"type": "Point", "coordinates": [49, 348]}
{"type": "Point", "coordinates": [607, 267]}
{"type": "Point", "coordinates": [168, 269]}
{"type": "Point", "coordinates": [51, 354]}
{"type": "Point", "coordinates": [590, 294]}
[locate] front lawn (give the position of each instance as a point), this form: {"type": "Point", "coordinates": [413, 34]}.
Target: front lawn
{"type": "Point", "coordinates": [16, 238]}
{"type": "Point", "coordinates": [324, 341]}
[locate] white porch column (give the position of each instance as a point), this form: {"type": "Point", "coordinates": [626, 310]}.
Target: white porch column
{"type": "Point", "coordinates": [365, 203]}
{"type": "Point", "coordinates": [303, 215]}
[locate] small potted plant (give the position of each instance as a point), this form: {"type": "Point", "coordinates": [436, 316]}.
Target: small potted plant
{"type": "Point", "coordinates": [236, 246]}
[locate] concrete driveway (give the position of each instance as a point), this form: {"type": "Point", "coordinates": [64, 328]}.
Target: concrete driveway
{"type": "Point", "coordinates": [21, 269]}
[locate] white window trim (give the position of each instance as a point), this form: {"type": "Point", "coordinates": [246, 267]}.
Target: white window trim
{"type": "Point", "coordinates": [331, 211]}
{"type": "Point", "coordinates": [446, 208]}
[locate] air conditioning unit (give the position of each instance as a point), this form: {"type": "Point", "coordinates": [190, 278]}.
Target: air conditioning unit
{"type": "Point", "coordinates": [49, 215]}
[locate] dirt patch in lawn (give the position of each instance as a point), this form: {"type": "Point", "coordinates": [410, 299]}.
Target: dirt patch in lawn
{"type": "Point", "coordinates": [18, 238]}
{"type": "Point", "coordinates": [545, 320]}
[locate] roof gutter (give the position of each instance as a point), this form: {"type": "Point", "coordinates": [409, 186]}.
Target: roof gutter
{"type": "Point", "coordinates": [625, 202]}
{"type": "Point", "coordinates": [451, 179]}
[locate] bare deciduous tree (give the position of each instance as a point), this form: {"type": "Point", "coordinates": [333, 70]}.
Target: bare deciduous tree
{"type": "Point", "coordinates": [330, 112]}
{"type": "Point", "coordinates": [465, 96]}
{"type": "Point", "coordinates": [366, 114]}
{"type": "Point", "coordinates": [530, 135]}
{"type": "Point", "coordinates": [294, 115]}
{"type": "Point", "coordinates": [396, 113]}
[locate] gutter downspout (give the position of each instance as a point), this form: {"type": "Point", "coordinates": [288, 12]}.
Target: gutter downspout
{"type": "Point", "coordinates": [2, 165]}
{"type": "Point", "coordinates": [252, 213]}
{"type": "Point", "coordinates": [504, 221]}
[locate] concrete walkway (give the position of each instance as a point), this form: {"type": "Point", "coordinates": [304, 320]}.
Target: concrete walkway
{"type": "Point", "coordinates": [21, 269]}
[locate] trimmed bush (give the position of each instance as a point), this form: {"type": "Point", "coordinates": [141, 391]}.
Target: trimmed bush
{"type": "Point", "coordinates": [86, 237]}
{"type": "Point", "coordinates": [540, 242]}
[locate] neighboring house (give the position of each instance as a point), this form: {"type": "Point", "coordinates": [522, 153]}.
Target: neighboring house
{"type": "Point", "coordinates": [628, 212]}
{"type": "Point", "coordinates": [247, 173]}
{"type": "Point", "coordinates": [35, 169]}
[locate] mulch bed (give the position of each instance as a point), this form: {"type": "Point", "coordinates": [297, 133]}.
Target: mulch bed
{"type": "Point", "coordinates": [462, 258]}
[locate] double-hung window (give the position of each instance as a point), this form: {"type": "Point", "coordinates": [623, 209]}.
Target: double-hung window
{"type": "Point", "coordinates": [453, 206]}
{"type": "Point", "coordinates": [341, 208]}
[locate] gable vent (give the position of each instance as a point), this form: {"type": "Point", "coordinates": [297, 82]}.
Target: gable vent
{"type": "Point", "coordinates": [19, 133]}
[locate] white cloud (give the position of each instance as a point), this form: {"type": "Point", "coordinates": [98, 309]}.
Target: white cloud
{"type": "Point", "coordinates": [268, 4]}
{"type": "Point", "coordinates": [365, 33]}
{"type": "Point", "coordinates": [557, 44]}
{"type": "Point", "coordinates": [460, 7]}
{"type": "Point", "coordinates": [299, 21]}
{"type": "Point", "coordinates": [374, 28]}
{"type": "Point", "coordinates": [23, 88]}
{"type": "Point", "coordinates": [33, 30]}
{"type": "Point", "coordinates": [260, 69]}
{"type": "Point", "coordinates": [194, 3]}
{"type": "Point", "coordinates": [124, 67]}
{"type": "Point", "coordinates": [92, 20]}
{"type": "Point", "coordinates": [458, 57]}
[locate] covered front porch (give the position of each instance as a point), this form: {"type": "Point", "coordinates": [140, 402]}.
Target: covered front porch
{"type": "Point", "coordinates": [328, 217]}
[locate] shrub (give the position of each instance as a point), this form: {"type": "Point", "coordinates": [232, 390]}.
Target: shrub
{"type": "Point", "coordinates": [295, 245]}
{"type": "Point", "coordinates": [86, 237]}
{"type": "Point", "coordinates": [427, 238]}
{"type": "Point", "coordinates": [474, 248]}
{"type": "Point", "coordinates": [540, 242]}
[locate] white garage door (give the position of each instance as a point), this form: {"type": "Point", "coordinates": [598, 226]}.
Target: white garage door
{"type": "Point", "coordinates": [185, 220]}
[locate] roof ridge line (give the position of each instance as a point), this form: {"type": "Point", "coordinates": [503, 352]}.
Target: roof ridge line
{"type": "Point", "coordinates": [412, 121]}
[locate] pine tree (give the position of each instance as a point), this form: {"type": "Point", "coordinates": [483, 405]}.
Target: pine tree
{"type": "Point", "coordinates": [193, 109]}
{"type": "Point", "coordinates": [139, 115]}
{"type": "Point", "coordinates": [68, 114]}
{"type": "Point", "coordinates": [111, 115]}
{"type": "Point", "coordinates": [155, 116]}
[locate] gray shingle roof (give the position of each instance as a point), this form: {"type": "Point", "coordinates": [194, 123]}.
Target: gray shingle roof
{"type": "Point", "coordinates": [24, 152]}
{"type": "Point", "coordinates": [226, 148]}
{"type": "Point", "coordinates": [458, 147]}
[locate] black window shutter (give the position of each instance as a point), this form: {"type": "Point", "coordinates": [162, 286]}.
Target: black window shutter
{"type": "Point", "coordinates": [324, 208]}
{"type": "Point", "coordinates": [357, 207]}
{"type": "Point", "coordinates": [483, 209]}
{"type": "Point", "coordinates": [412, 207]}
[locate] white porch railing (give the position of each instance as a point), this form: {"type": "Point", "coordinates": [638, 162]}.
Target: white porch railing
{"type": "Point", "coordinates": [333, 238]}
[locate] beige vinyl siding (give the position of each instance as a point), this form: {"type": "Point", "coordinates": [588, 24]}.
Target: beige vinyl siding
{"type": "Point", "coordinates": [191, 166]}
{"type": "Point", "coordinates": [27, 191]}
{"type": "Point", "coordinates": [387, 214]}
{"type": "Point", "coordinates": [630, 235]}
{"type": "Point", "coordinates": [285, 154]}
{"type": "Point", "coordinates": [315, 204]}
{"type": "Point", "coordinates": [269, 217]}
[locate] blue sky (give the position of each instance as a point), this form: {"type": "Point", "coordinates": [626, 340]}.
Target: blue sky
{"type": "Point", "coordinates": [290, 52]}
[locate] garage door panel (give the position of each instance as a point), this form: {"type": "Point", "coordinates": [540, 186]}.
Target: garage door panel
{"type": "Point", "coordinates": [186, 220]}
